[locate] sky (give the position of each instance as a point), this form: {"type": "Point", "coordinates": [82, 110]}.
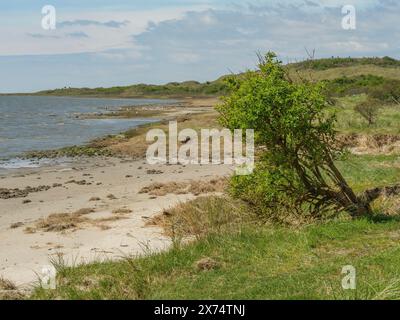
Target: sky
{"type": "Point", "coordinates": [121, 42]}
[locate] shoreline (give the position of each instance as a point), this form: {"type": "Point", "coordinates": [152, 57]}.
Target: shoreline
{"type": "Point", "coordinates": [151, 114]}
{"type": "Point", "coordinates": [107, 189]}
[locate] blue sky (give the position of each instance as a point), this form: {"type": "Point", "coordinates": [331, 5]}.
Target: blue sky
{"type": "Point", "coordinates": [121, 42]}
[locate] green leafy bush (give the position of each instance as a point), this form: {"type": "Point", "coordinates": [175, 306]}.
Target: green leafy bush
{"type": "Point", "coordinates": [379, 88]}
{"type": "Point", "coordinates": [296, 141]}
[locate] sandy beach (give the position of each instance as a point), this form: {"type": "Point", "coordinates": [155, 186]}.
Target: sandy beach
{"type": "Point", "coordinates": [107, 189]}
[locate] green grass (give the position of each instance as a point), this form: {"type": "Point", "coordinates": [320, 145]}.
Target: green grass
{"type": "Point", "coordinates": [351, 122]}
{"type": "Point", "coordinates": [256, 263]}
{"type": "Point", "coordinates": [259, 261]}
{"type": "Point", "coordinates": [370, 171]}
{"type": "Point", "coordinates": [337, 62]}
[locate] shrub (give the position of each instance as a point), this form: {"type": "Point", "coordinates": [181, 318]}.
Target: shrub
{"type": "Point", "coordinates": [387, 92]}
{"type": "Point", "coordinates": [296, 136]}
{"type": "Point", "coordinates": [369, 110]}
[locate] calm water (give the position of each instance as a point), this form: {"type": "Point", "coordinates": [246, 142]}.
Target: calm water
{"type": "Point", "coordinates": [42, 123]}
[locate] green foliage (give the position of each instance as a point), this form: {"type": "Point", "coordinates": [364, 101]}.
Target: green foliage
{"type": "Point", "coordinates": [173, 89]}
{"type": "Point", "coordinates": [346, 86]}
{"type": "Point", "coordinates": [379, 88]}
{"type": "Point", "coordinates": [297, 137]}
{"type": "Point", "coordinates": [389, 91]}
{"type": "Point", "coordinates": [263, 192]}
{"type": "Point", "coordinates": [369, 110]}
{"type": "Point", "coordinates": [336, 62]}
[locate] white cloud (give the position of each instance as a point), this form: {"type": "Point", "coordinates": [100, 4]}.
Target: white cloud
{"type": "Point", "coordinates": [103, 30]}
{"type": "Point", "coordinates": [176, 44]}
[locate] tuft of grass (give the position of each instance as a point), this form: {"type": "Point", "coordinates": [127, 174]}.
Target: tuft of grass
{"type": "Point", "coordinates": [62, 222]}
{"type": "Point", "coordinates": [195, 187]}
{"type": "Point", "coordinates": [57, 223]}
{"type": "Point", "coordinates": [7, 285]}
{"type": "Point", "coordinates": [201, 217]}
{"type": "Point", "coordinates": [10, 291]}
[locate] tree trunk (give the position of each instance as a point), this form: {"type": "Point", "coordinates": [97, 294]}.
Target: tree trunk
{"type": "Point", "coordinates": [356, 206]}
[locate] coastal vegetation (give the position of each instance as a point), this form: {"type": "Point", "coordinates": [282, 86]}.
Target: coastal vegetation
{"type": "Point", "coordinates": [324, 195]}
{"type": "Point", "coordinates": [297, 168]}
{"type": "Point", "coordinates": [344, 75]}
{"type": "Point", "coordinates": [169, 90]}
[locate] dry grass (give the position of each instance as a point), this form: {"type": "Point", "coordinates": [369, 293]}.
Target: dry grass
{"type": "Point", "coordinates": [9, 290]}
{"type": "Point", "coordinates": [61, 222]}
{"type": "Point", "coordinates": [57, 222]}
{"type": "Point", "coordinates": [201, 216]}
{"type": "Point", "coordinates": [211, 186]}
{"type": "Point", "coordinates": [134, 143]}
{"type": "Point", "coordinates": [196, 188]}
{"type": "Point", "coordinates": [371, 143]}
{"type": "Point", "coordinates": [387, 205]}
{"type": "Point", "coordinates": [7, 285]}
{"type": "Point", "coordinates": [162, 189]}
{"type": "Point", "coordinates": [206, 264]}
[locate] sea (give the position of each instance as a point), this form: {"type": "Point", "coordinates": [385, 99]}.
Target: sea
{"type": "Point", "coordinates": [31, 123]}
